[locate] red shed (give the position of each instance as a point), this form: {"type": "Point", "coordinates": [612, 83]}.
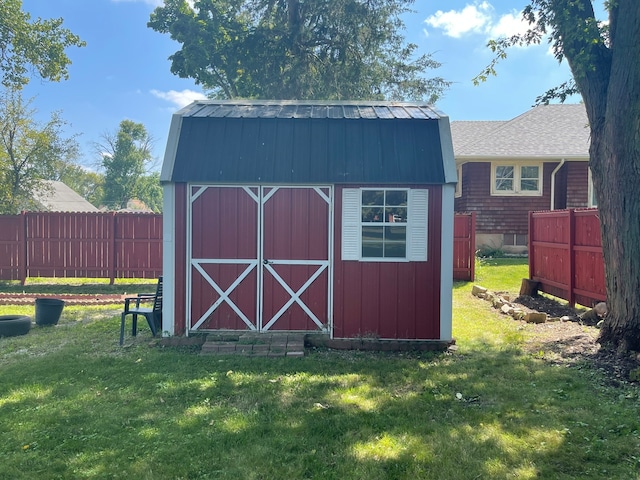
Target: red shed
{"type": "Point", "coordinates": [332, 217]}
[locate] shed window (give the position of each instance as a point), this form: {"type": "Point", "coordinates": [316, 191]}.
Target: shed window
{"type": "Point", "coordinates": [516, 179]}
{"type": "Point", "coordinates": [382, 224]}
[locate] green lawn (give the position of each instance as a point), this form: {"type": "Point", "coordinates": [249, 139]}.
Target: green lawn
{"type": "Point", "coordinates": [73, 404]}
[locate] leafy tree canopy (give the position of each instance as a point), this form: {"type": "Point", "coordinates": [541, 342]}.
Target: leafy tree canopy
{"type": "Point", "coordinates": [295, 49]}
{"type": "Point", "coordinates": [124, 158]}
{"type": "Point", "coordinates": [29, 151]}
{"type": "Point", "coordinates": [27, 46]}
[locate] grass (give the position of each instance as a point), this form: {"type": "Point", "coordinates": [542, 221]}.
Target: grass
{"type": "Point", "coordinates": [73, 404]}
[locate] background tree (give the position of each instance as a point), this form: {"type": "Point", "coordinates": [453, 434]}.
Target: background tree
{"type": "Point", "coordinates": [124, 159]}
{"type": "Point", "coordinates": [29, 152]}
{"type": "Point", "coordinates": [605, 62]}
{"type": "Point", "coordinates": [32, 46]}
{"type": "Point", "coordinates": [149, 191]}
{"type": "Point", "coordinates": [295, 49]}
{"type": "Point", "coordinates": [87, 183]}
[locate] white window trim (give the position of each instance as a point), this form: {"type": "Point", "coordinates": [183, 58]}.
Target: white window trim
{"type": "Point", "coordinates": [416, 226]}
{"type": "Point", "coordinates": [458, 192]}
{"type": "Point", "coordinates": [591, 201]}
{"type": "Point", "coordinates": [517, 167]}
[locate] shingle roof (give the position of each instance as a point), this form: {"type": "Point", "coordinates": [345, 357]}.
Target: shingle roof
{"type": "Point", "coordinates": [58, 197]}
{"type": "Point", "coordinates": [552, 131]}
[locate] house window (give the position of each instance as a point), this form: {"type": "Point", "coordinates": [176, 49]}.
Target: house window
{"type": "Point", "coordinates": [516, 179]}
{"type": "Point", "coordinates": [459, 183]}
{"type": "Point", "coordinates": [384, 224]}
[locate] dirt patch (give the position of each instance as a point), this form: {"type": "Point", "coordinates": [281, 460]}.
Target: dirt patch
{"type": "Point", "coordinates": [572, 342]}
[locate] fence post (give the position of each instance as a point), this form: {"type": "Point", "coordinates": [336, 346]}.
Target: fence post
{"type": "Point", "coordinates": [22, 249]}
{"type": "Point", "coordinates": [530, 246]}
{"type": "Point", "coordinates": [472, 246]}
{"type": "Point", "coordinates": [572, 261]}
{"type": "Point", "coordinates": [112, 246]}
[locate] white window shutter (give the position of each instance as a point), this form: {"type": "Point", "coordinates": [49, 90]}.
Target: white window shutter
{"type": "Point", "coordinates": [417, 229]}
{"type": "Point", "coordinates": [351, 224]}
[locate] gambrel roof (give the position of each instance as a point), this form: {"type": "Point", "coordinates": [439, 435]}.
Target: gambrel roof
{"type": "Point", "coordinates": [302, 142]}
{"type": "Point", "coordinates": [546, 131]}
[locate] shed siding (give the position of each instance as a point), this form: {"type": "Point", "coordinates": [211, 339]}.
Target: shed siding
{"type": "Point", "coordinates": [396, 300]}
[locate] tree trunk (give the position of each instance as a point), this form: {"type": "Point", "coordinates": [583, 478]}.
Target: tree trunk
{"type": "Point", "coordinates": [615, 164]}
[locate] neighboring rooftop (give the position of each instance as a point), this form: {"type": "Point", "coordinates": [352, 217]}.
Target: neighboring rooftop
{"type": "Point", "coordinates": [58, 197]}
{"type": "Point", "coordinates": [552, 131]}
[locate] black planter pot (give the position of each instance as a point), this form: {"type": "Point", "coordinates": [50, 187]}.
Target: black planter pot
{"type": "Point", "coordinates": [12, 325]}
{"type": "Point", "coordinates": [48, 311]}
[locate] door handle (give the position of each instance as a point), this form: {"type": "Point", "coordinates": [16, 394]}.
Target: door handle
{"type": "Point", "coordinates": [266, 262]}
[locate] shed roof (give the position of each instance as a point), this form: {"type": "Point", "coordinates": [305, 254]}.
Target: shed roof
{"type": "Point", "coordinates": [309, 142]}
{"type": "Point", "coordinates": [545, 131]}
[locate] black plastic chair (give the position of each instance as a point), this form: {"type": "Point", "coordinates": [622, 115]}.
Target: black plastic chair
{"type": "Point", "coordinates": [153, 315]}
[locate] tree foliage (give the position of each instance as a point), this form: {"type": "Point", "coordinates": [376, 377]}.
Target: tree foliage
{"type": "Point", "coordinates": [296, 49]}
{"type": "Point", "coordinates": [28, 46]}
{"type": "Point", "coordinates": [604, 58]}
{"type": "Point", "coordinates": [29, 151]}
{"type": "Point", "coordinates": [124, 159]}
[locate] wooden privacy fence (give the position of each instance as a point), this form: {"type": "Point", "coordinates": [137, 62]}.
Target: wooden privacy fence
{"type": "Point", "coordinates": [125, 245]}
{"type": "Point", "coordinates": [565, 255]}
{"type": "Point", "coordinates": [464, 246]}
{"type": "Point", "coordinates": [93, 245]}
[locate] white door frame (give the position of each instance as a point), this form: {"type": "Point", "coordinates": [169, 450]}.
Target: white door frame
{"type": "Point", "coordinates": [261, 264]}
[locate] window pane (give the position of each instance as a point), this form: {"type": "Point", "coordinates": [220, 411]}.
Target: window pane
{"type": "Point", "coordinates": [529, 185]}
{"type": "Point", "coordinates": [504, 178]}
{"type": "Point", "coordinates": [504, 185]}
{"type": "Point", "coordinates": [370, 234]}
{"type": "Point", "coordinates": [372, 214]}
{"type": "Point", "coordinates": [529, 172]}
{"type": "Point", "coordinates": [395, 214]}
{"type": "Point", "coordinates": [396, 197]}
{"type": "Point", "coordinates": [372, 250]}
{"type": "Point", "coordinates": [504, 171]}
{"type": "Point", "coordinates": [373, 197]}
{"type": "Point", "coordinates": [395, 242]}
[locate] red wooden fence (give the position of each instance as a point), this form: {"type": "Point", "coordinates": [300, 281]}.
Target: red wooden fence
{"type": "Point", "coordinates": [126, 245]}
{"type": "Point", "coordinates": [93, 245]}
{"type": "Point", "coordinates": [565, 255]}
{"type": "Point", "coordinates": [464, 246]}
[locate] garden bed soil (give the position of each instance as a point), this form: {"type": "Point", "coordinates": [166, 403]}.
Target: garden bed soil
{"type": "Point", "coordinates": [572, 342]}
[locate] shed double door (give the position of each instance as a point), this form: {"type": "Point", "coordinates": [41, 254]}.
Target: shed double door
{"type": "Point", "coordinates": [259, 258]}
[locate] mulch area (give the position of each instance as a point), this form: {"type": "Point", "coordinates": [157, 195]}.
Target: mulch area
{"type": "Point", "coordinates": [573, 342]}
{"type": "Point", "coordinates": [71, 299]}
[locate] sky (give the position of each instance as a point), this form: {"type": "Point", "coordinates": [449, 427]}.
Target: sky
{"type": "Point", "coordinates": [124, 70]}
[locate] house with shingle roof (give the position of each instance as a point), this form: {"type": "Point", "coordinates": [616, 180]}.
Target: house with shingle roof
{"type": "Point", "coordinates": [536, 161]}
{"type": "Point", "coordinates": [56, 196]}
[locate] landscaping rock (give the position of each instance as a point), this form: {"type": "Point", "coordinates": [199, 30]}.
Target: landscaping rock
{"type": "Point", "coordinates": [535, 317]}
{"type": "Point", "coordinates": [507, 309]}
{"type": "Point", "coordinates": [478, 291]}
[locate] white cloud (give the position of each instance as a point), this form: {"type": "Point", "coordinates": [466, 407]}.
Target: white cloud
{"type": "Point", "coordinates": [508, 25]}
{"type": "Point", "coordinates": [180, 99]}
{"type": "Point", "coordinates": [478, 18]}
{"type": "Point", "coordinates": [474, 18]}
